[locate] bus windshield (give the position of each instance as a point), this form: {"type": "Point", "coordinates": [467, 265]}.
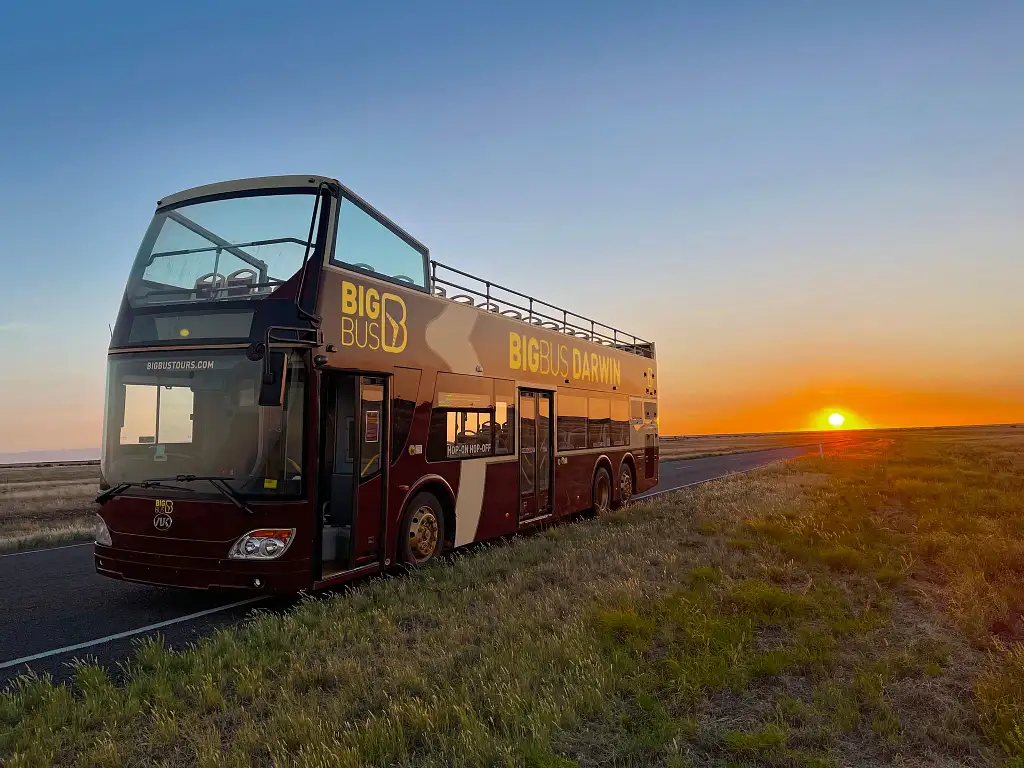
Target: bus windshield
{"type": "Point", "coordinates": [238, 247]}
{"type": "Point", "coordinates": [196, 413]}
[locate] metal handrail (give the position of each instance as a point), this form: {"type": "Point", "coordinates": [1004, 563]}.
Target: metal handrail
{"type": "Point", "coordinates": [569, 323]}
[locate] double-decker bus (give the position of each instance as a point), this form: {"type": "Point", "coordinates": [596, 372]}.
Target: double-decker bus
{"type": "Point", "coordinates": [297, 395]}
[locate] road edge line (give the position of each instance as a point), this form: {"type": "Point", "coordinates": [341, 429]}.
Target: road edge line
{"type": "Point", "coordinates": [127, 633]}
{"type": "Point", "coordinates": [46, 549]}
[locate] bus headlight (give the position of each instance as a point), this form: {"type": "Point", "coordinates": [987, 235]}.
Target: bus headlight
{"type": "Point", "coordinates": [101, 532]}
{"type": "Point", "coordinates": [262, 544]}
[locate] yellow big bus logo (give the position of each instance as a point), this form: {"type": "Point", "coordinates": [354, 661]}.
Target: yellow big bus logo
{"type": "Point", "coordinates": [163, 509]}
{"type": "Point", "coordinates": [372, 320]}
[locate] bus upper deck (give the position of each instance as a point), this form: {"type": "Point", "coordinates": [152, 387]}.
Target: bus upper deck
{"type": "Point", "coordinates": [248, 239]}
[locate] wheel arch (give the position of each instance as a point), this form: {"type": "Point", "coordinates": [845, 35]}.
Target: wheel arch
{"type": "Point", "coordinates": [602, 461]}
{"type": "Point", "coordinates": [442, 491]}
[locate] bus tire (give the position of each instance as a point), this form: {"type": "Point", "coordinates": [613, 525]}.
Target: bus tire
{"type": "Point", "coordinates": [421, 535]}
{"type": "Point", "coordinates": [627, 486]}
{"type": "Point", "coordinates": [602, 496]}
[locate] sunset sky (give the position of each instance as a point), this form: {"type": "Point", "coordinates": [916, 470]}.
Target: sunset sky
{"type": "Point", "coordinates": [808, 206]}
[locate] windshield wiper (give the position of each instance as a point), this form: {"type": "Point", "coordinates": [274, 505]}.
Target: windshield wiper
{"type": "Point", "coordinates": [120, 488]}
{"type": "Point", "coordinates": [217, 482]}
{"type": "Point", "coordinates": [161, 482]}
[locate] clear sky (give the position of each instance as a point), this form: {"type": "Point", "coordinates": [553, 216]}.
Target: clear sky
{"type": "Point", "coordinates": [806, 205]}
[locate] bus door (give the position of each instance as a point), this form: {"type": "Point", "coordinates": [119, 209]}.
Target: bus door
{"type": "Point", "coordinates": [352, 491]}
{"type": "Point", "coordinates": [535, 451]}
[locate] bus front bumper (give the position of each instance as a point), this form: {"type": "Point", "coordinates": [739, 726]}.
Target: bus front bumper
{"type": "Point", "coordinates": [202, 573]}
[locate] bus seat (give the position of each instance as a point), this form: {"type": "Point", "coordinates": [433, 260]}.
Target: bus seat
{"type": "Point", "coordinates": [240, 282]}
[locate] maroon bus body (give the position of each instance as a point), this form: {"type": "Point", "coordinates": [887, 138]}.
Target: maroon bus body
{"type": "Point", "coordinates": [193, 551]}
{"type": "Point", "coordinates": [144, 555]}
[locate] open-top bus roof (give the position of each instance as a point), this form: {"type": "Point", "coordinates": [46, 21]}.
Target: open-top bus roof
{"type": "Point", "coordinates": [478, 292]}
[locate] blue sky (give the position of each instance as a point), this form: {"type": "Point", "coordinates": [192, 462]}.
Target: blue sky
{"type": "Point", "coordinates": [786, 197]}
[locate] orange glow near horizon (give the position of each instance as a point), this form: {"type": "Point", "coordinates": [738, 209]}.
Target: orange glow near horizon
{"type": "Point", "coordinates": [810, 408]}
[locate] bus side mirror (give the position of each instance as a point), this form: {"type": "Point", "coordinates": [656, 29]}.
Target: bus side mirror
{"type": "Point", "coordinates": [272, 386]}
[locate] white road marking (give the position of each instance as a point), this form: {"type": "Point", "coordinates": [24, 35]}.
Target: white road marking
{"type": "Point", "coordinates": [129, 633]}
{"type": "Point", "coordinates": [47, 549]}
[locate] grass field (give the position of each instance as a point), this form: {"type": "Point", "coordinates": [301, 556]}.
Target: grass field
{"type": "Point", "coordinates": [44, 504]}
{"type": "Point", "coordinates": [698, 446]}
{"type": "Point", "coordinates": [858, 610]}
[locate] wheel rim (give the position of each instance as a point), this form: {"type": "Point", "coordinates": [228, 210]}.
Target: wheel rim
{"type": "Point", "coordinates": [423, 530]}
{"type": "Point", "coordinates": [602, 494]}
{"type": "Point", "coordinates": [626, 485]}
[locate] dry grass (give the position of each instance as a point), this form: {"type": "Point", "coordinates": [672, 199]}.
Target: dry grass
{"type": "Point", "coordinates": [857, 625]}
{"type": "Point", "coordinates": [43, 505]}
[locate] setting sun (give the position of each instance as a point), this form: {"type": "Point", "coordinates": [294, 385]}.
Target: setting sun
{"type": "Point", "coordinates": [837, 415]}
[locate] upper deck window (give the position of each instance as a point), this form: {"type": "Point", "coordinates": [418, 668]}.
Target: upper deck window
{"type": "Point", "coordinates": [237, 247]}
{"type": "Point", "coordinates": [367, 244]}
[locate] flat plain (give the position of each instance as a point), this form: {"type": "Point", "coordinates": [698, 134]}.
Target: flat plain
{"type": "Point", "coordinates": [44, 504]}
{"type": "Point", "coordinates": [696, 446]}
{"type": "Point", "coordinates": [859, 609]}
{"type": "Point", "coordinates": [41, 504]}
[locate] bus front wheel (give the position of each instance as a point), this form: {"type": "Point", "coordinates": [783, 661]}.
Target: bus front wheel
{"type": "Point", "coordinates": [602, 491]}
{"type": "Point", "coordinates": [422, 533]}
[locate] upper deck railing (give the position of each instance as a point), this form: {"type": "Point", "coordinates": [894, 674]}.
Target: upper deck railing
{"type": "Point", "coordinates": [491, 297]}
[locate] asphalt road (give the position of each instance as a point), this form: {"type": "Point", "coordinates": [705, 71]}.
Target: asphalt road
{"type": "Point", "coordinates": [677, 473]}
{"type": "Point", "coordinates": [55, 607]}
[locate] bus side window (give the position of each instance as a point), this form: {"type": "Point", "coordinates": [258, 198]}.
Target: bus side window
{"type": "Point", "coordinates": [504, 417]}
{"type": "Point", "coordinates": [472, 416]}
{"type": "Point", "coordinates": [620, 420]}
{"type": "Point", "coordinates": [370, 246]}
{"type": "Point", "coordinates": [406, 385]}
{"type": "Point", "coordinates": [636, 412]}
{"type": "Point", "coordinates": [571, 423]}
{"type": "Point", "coordinates": [599, 411]}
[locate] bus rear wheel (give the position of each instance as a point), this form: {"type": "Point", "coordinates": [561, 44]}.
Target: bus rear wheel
{"type": "Point", "coordinates": [602, 491]}
{"type": "Point", "coordinates": [625, 485]}
{"type": "Point", "coordinates": [421, 535]}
